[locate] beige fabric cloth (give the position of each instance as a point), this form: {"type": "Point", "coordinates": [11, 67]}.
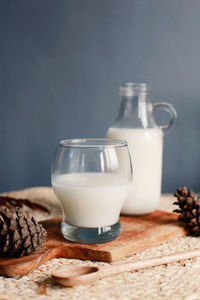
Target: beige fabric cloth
{"type": "Point", "coordinates": [173, 281]}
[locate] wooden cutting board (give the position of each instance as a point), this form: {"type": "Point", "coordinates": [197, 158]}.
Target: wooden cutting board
{"type": "Point", "coordinates": [138, 233]}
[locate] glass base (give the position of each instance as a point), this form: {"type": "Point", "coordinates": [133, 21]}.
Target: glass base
{"type": "Point", "coordinates": [84, 235]}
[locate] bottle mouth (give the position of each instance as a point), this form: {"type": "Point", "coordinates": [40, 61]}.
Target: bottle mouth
{"type": "Point", "coordinates": [132, 88]}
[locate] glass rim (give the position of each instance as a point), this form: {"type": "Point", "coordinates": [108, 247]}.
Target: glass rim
{"type": "Point", "coordinates": [92, 143]}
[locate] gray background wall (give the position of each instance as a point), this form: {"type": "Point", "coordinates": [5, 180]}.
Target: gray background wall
{"type": "Point", "coordinates": [61, 62]}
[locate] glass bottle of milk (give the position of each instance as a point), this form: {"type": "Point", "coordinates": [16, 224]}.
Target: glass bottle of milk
{"type": "Point", "coordinates": [135, 124]}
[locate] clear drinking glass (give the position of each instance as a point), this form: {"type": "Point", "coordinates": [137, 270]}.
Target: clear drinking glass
{"type": "Point", "coordinates": [91, 178]}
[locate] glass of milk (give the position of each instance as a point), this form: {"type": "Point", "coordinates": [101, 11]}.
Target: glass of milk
{"type": "Point", "coordinates": [135, 123]}
{"type": "Point", "coordinates": [92, 179]}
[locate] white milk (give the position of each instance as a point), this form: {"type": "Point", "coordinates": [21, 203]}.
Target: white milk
{"type": "Point", "coordinates": [145, 146]}
{"type": "Point", "coordinates": [91, 199]}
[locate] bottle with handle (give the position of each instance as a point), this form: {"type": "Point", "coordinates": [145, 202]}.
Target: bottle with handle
{"type": "Point", "coordinates": [136, 124]}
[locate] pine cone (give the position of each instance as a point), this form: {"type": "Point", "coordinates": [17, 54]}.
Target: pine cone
{"type": "Point", "coordinates": [189, 210]}
{"type": "Point", "coordinates": [19, 234]}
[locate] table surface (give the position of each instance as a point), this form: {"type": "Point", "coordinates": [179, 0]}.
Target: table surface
{"type": "Point", "coordinates": [172, 281]}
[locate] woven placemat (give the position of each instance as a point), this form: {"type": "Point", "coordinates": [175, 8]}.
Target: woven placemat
{"type": "Point", "coordinates": [173, 281]}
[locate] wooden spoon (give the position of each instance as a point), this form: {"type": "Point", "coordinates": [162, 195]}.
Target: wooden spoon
{"type": "Point", "coordinates": [80, 275]}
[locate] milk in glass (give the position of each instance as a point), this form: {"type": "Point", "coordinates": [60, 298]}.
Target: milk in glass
{"type": "Point", "coordinates": [91, 199]}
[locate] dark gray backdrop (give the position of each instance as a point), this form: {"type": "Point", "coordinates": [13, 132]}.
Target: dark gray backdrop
{"type": "Point", "coordinates": [61, 62]}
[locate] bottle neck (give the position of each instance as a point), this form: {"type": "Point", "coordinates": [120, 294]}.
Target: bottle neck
{"type": "Point", "coordinates": [133, 104]}
{"type": "Point", "coordinates": [134, 109]}
{"type": "Point", "coordinates": [134, 98]}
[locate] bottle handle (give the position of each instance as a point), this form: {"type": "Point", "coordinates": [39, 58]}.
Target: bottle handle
{"type": "Point", "coordinates": [173, 115]}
